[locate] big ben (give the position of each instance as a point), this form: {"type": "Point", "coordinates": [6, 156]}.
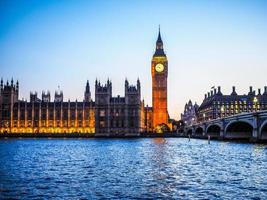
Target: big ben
{"type": "Point", "coordinates": [159, 71]}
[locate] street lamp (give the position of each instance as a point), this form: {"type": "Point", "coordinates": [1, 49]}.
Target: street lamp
{"type": "Point", "coordinates": [255, 102]}
{"type": "Point", "coordinates": [222, 110]}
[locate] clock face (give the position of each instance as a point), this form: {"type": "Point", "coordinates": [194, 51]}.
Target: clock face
{"type": "Point", "coordinates": [159, 67]}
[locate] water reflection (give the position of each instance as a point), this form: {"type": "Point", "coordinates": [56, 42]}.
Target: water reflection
{"type": "Point", "coordinates": [131, 168]}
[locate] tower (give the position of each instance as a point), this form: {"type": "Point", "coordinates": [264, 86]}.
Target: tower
{"type": "Point", "coordinates": [87, 93]}
{"type": "Point", "coordinates": [132, 107]}
{"type": "Point", "coordinates": [159, 71]}
{"type": "Point", "coordinates": [58, 96]}
{"type": "Point", "coordinates": [103, 95]}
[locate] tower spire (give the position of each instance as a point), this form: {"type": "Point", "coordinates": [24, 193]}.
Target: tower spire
{"type": "Point", "coordinates": [159, 46]}
{"type": "Point", "coordinates": [159, 40]}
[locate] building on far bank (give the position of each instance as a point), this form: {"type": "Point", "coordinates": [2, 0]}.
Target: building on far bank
{"type": "Point", "coordinates": [216, 105]}
{"type": "Point", "coordinates": [106, 115]}
{"type": "Point", "coordinates": [117, 115]}
{"type": "Point", "coordinates": [189, 116]}
{"type": "Point", "coordinates": [44, 116]}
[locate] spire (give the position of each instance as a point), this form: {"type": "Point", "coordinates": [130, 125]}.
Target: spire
{"type": "Point", "coordinates": [17, 85]}
{"type": "Point", "coordinates": [159, 46]}
{"type": "Point", "coordinates": [159, 40]}
{"type": "Point", "coordinates": [126, 82]}
{"type": "Point", "coordinates": [138, 84]}
{"type": "Point", "coordinates": [96, 82]}
{"type": "Point", "coordinates": [1, 84]}
{"type": "Point", "coordinates": [87, 88]}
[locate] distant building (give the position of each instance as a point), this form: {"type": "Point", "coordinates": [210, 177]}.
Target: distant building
{"type": "Point", "coordinates": [216, 105]}
{"type": "Point", "coordinates": [189, 116]}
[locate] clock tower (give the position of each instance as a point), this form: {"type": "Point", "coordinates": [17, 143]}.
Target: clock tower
{"type": "Point", "coordinates": [159, 71]}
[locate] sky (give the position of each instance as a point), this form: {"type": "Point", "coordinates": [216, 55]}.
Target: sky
{"type": "Point", "coordinates": [46, 44]}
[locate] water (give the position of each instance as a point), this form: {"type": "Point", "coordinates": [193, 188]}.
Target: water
{"type": "Point", "coordinates": [131, 168]}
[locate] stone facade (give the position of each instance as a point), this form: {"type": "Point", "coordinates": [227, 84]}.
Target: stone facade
{"type": "Point", "coordinates": [159, 72]}
{"type": "Point", "coordinates": [43, 116]}
{"type": "Point", "coordinates": [216, 105]}
{"type": "Point", "coordinates": [117, 115]}
{"type": "Point", "coordinates": [107, 115]}
{"type": "Point", "coordinates": [189, 117]}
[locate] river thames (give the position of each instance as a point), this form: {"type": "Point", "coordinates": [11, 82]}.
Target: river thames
{"type": "Point", "coordinates": [131, 169]}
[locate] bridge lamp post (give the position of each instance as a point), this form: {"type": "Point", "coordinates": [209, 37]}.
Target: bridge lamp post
{"type": "Point", "coordinates": [204, 115]}
{"type": "Point", "coordinates": [255, 102]}
{"type": "Point", "coordinates": [222, 111]}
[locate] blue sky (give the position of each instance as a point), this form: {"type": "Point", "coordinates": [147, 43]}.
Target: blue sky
{"type": "Point", "coordinates": [46, 44]}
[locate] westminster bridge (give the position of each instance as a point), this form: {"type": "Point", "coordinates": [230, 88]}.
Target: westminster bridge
{"type": "Point", "coordinates": [252, 126]}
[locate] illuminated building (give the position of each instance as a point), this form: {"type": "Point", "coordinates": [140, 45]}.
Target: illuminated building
{"type": "Point", "coordinates": [216, 105]}
{"type": "Point", "coordinates": [44, 116]}
{"type": "Point", "coordinates": [157, 117]}
{"type": "Point", "coordinates": [107, 115]}
{"type": "Point", "coordinates": [189, 117]}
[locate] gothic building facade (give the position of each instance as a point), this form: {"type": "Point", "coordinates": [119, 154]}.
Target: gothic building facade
{"type": "Point", "coordinates": [43, 115]}
{"type": "Point", "coordinates": [189, 116]}
{"type": "Point", "coordinates": [107, 115]}
{"type": "Point", "coordinates": [117, 115]}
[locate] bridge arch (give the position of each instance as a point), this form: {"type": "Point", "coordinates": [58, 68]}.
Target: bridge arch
{"type": "Point", "coordinates": [189, 131]}
{"type": "Point", "coordinates": [162, 128]}
{"type": "Point", "coordinates": [263, 130]}
{"type": "Point", "coordinates": [241, 129]}
{"type": "Point", "coordinates": [213, 130]}
{"type": "Point", "coordinates": [180, 130]}
{"type": "Point", "coordinates": [199, 131]}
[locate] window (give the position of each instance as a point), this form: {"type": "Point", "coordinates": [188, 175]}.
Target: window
{"type": "Point", "coordinates": [102, 124]}
{"type": "Point", "coordinates": [102, 113]}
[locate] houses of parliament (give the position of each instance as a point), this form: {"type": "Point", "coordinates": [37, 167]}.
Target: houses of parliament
{"type": "Point", "coordinates": [106, 115]}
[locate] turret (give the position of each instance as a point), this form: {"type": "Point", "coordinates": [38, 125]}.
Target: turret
{"type": "Point", "coordinates": [126, 85]}
{"type": "Point", "coordinates": [138, 85]}
{"type": "Point", "coordinates": [33, 97]}
{"type": "Point", "coordinates": [103, 93]}
{"type": "Point", "coordinates": [17, 86]}
{"type": "Point", "coordinates": [233, 91]}
{"type": "Point", "coordinates": [132, 92]}
{"type": "Point", "coordinates": [46, 97]}
{"type": "Point", "coordinates": [251, 92]}
{"type": "Point", "coordinates": [1, 85]}
{"type": "Point", "coordinates": [259, 91]}
{"type": "Point", "coordinates": [219, 90]}
{"type": "Point", "coordinates": [87, 93]}
{"type": "Point", "coordinates": [58, 96]}
{"type": "Point", "coordinates": [265, 90]}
